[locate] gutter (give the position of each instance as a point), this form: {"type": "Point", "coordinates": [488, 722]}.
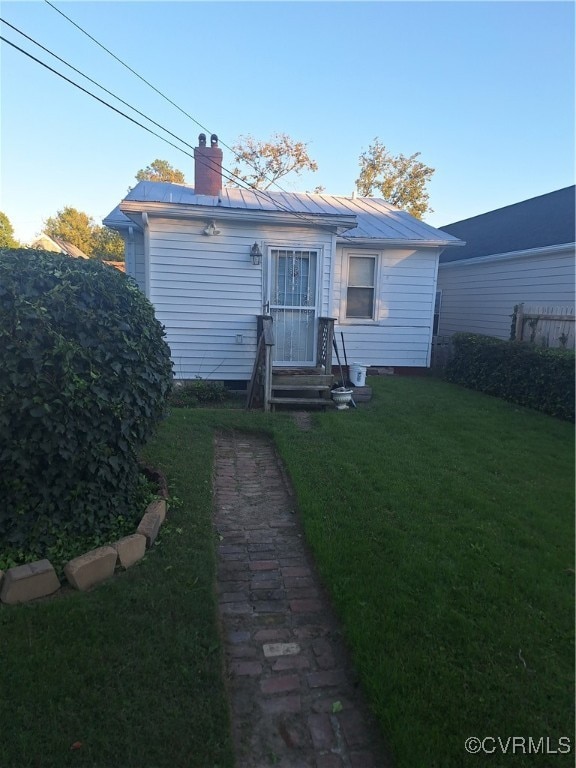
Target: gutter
{"type": "Point", "coordinates": [396, 243]}
{"type": "Point", "coordinates": [547, 250]}
{"type": "Point", "coordinates": [337, 222]}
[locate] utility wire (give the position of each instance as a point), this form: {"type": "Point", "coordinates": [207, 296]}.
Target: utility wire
{"type": "Point", "coordinates": [94, 82]}
{"type": "Point", "coordinates": [206, 161]}
{"type": "Point", "coordinates": [128, 67]}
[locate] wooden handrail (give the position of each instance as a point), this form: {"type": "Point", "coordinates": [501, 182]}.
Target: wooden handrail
{"type": "Point", "coordinates": [262, 369]}
{"type": "Point", "coordinates": [324, 343]}
{"type": "Point", "coordinates": [267, 330]}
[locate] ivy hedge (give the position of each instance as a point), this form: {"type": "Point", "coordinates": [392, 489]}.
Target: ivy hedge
{"type": "Point", "coordinates": [536, 377]}
{"type": "Point", "coordinates": [85, 373]}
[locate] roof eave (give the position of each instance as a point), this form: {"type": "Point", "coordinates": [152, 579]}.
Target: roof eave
{"type": "Point", "coordinates": [339, 223]}
{"type": "Point", "coordinates": [398, 242]}
{"type": "Point", "coordinates": [546, 250]}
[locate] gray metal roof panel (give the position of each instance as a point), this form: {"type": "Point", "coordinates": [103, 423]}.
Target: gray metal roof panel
{"type": "Point", "coordinates": [377, 219]}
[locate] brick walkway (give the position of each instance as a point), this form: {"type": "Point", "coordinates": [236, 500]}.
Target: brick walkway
{"type": "Point", "coordinates": [294, 700]}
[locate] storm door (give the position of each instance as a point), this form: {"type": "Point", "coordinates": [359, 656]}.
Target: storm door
{"type": "Point", "coordinates": [293, 305]}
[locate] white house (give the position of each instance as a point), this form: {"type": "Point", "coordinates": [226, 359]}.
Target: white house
{"type": "Point", "coordinates": [214, 259]}
{"type": "Point", "coordinates": [519, 254]}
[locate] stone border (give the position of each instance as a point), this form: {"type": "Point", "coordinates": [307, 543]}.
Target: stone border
{"type": "Point", "coordinates": [31, 581]}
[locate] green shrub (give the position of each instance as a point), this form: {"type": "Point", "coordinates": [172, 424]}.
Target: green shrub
{"type": "Point", "coordinates": [84, 377]}
{"type": "Point", "coordinates": [190, 393]}
{"type": "Point", "coordinates": [532, 376]}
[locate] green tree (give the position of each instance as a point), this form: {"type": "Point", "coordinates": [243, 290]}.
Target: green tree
{"type": "Point", "coordinates": [79, 229]}
{"type": "Point", "coordinates": [160, 170]}
{"type": "Point", "coordinates": [74, 226]}
{"type": "Point", "coordinates": [398, 179]}
{"type": "Point", "coordinates": [7, 239]}
{"type": "Point", "coordinates": [107, 244]}
{"type": "Point", "coordinates": [262, 163]}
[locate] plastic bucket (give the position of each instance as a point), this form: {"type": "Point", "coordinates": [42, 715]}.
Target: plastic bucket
{"type": "Point", "coordinates": [358, 374]}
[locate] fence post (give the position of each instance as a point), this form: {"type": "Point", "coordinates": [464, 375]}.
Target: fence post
{"type": "Point", "coordinates": [519, 322]}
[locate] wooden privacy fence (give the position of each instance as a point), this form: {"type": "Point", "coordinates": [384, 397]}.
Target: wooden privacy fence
{"type": "Point", "coordinates": [544, 326]}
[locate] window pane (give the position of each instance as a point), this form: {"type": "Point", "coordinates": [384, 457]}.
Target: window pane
{"type": "Point", "coordinates": [294, 278]}
{"type": "Point", "coordinates": [360, 302]}
{"type": "Point", "coordinates": [361, 271]}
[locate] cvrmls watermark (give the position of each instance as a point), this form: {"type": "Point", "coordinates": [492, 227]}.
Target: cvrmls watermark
{"type": "Point", "coordinates": [518, 745]}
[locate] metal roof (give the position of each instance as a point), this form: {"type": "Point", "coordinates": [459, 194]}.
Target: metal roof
{"type": "Point", "coordinates": [542, 221]}
{"type": "Point", "coordinates": [376, 219]}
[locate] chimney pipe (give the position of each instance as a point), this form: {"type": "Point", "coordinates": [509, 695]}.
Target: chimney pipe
{"type": "Point", "coordinates": [207, 167]}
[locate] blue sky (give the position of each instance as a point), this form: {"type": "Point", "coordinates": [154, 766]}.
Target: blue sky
{"type": "Point", "coordinates": [483, 90]}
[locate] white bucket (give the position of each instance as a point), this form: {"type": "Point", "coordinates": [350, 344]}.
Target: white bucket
{"type": "Point", "coordinates": [358, 374]}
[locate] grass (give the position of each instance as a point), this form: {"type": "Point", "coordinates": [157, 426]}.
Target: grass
{"type": "Point", "coordinates": [442, 523]}
{"type": "Point", "coordinates": [131, 670]}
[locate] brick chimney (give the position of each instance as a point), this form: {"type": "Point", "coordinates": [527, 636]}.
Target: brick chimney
{"type": "Point", "coordinates": [207, 166]}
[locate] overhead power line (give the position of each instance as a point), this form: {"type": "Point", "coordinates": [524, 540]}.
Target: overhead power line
{"type": "Point", "coordinates": [94, 82]}
{"type": "Point", "coordinates": [206, 161]}
{"type": "Point", "coordinates": [159, 92]}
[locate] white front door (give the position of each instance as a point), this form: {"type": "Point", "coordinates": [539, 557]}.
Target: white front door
{"type": "Point", "coordinates": [293, 305]}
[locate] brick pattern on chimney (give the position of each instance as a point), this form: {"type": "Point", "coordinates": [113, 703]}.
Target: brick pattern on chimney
{"type": "Point", "coordinates": [207, 167]}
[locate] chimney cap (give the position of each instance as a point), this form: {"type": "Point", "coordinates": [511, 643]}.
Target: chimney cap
{"type": "Point", "coordinates": [213, 140]}
{"type": "Point", "coordinates": [202, 140]}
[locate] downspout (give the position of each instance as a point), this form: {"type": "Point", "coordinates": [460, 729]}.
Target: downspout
{"type": "Point", "coordinates": [131, 253]}
{"type": "Point", "coordinates": [434, 289]}
{"type": "Point", "coordinates": [146, 230]}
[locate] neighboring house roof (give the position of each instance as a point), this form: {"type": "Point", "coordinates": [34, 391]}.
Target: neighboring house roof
{"type": "Point", "coordinates": [375, 219]}
{"type": "Point", "coordinates": [50, 243]}
{"type": "Point", "coordinates": [540, 222]}
{"type": "Point", "coordinates": [119, 265]}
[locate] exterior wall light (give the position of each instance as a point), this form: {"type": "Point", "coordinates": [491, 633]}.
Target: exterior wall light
{"type": "Point", "coordinates": [256, 255]}
{"type": "Point", "coordinates": [210, 229]}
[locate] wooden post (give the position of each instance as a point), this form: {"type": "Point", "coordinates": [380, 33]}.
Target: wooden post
{"type": "Point", "coordinates": [269, 342]}
{"type": "Point", "coordinates": [519, 322]}
{"type": "Point", "coordinates": [324, 343]}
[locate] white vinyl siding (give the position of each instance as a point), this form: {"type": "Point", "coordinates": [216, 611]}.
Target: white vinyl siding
{"type": "Point", "coordinates": [208, 294]}
{"type": "Point", "coordinates": [479, 296]}
{"type": "Point", "coordinates": [400, 331]}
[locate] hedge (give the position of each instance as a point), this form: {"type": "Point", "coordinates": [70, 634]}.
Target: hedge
{"type": "Point", "coordinates": [536, 377]}
{"type": "Point", "coordinates": [84, 377]}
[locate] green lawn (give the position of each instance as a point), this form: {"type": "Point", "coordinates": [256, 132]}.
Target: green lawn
{"type": "Point", "coordinates": [442, 521]}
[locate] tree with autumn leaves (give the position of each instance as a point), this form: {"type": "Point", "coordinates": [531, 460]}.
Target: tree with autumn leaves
{"type": "Point", "coordinates": [398, 179]}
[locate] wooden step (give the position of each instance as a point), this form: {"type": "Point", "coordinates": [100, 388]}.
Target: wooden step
{"type": "Point", "coordinates": [296, 381]}
{"type": "Point", "coordinates": [300, 401]}
{"type": "Point", "coordinates": [303, 387]}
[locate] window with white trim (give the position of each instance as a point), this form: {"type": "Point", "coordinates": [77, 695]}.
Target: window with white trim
{"type": "Point", "coordinates": [360, 297]}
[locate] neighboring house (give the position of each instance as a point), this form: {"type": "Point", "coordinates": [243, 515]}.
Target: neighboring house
{"type": "Point", "coordinates": [213, 260]}
{"type": "Point", "coordinates": [119, 265]}
{"type": "Point", "coordinates": [58, 245]}
{"type": "Point", "coordinates": [520, 254]}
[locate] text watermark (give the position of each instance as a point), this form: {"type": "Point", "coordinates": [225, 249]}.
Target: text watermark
{"type": "Point", "coordinates": [518, 745]}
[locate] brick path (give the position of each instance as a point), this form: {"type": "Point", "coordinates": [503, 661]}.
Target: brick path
{"type": "Point", "coordinates": [294, 699]}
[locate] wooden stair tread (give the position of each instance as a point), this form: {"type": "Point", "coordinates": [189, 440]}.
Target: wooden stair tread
{"type": "Point", "coordinates": [312, 387]}
{"type": "Point", "coordinates": [301, 400]}
{"type": "Point", "coordinates": [307, 380]}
